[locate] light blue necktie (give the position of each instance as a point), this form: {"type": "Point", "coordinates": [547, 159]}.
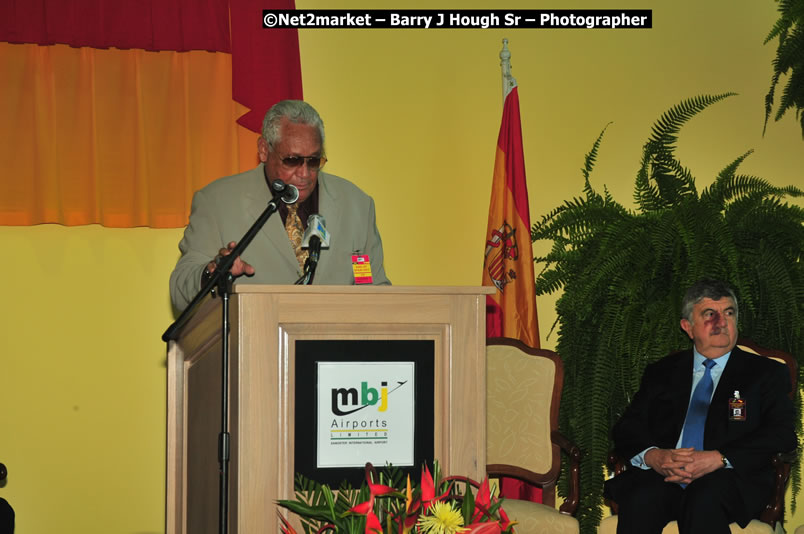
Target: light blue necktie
{"type": "Point", "coordinates": [693, 433]}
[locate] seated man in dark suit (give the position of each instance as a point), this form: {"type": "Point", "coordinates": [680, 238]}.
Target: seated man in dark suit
{"type": "Point", "coordinates": [694, 460]}
{"type": "Point", "coordinates": [6, 517]}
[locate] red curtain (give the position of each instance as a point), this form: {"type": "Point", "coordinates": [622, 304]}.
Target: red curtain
{"type": "Point", "coordinates": [178, 25]}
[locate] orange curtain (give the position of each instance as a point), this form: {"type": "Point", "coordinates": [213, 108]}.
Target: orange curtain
{"type": "Point", "coordinates": [116, 137]}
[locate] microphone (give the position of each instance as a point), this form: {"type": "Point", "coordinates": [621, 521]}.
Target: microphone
{"type": "Point", "coordinates": [289, 192]}
{"type": "Point", "coordinates": [315, 237]}
{"type": "Point", "coordinates": [316, 227]}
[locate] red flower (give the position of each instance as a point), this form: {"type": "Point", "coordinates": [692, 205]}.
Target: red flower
{"type": "Point", "coordinates": [285, 526]}
{"type": "Point", "coordinates": [482, 500]}
{"type": "Point", "coordinates": [428, 489]}
{"type": "Point", "coordinates": [506, 522]}
{"type": "Point", "coordinates": [373, 524]}
{"type": "Point", "coordinates": [367, 508]}
{"type": "Point", "coordinates": [489, 527]}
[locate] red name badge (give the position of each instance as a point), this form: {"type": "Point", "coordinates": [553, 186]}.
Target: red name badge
{"type": "Point", "coordinates": [361, 267]}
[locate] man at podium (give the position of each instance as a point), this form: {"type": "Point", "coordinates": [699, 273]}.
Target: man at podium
{"type": "Point", "coordinates": [291, 149]}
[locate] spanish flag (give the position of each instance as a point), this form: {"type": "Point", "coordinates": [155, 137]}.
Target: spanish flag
{"type": "Point", "coordinates": [508, 263]}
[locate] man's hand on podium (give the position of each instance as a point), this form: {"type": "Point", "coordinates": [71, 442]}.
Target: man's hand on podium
{"type": "Point", "coordinates": [239, 267]}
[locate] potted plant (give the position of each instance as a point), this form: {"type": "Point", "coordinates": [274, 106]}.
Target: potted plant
{"type": "Point", "coordinates": [623, 273]}
{"type": "Point", "coordinates": [387, 503]}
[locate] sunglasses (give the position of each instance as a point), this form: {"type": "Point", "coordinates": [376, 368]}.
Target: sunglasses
{"type": "Point", "coordinates": [314, 163]}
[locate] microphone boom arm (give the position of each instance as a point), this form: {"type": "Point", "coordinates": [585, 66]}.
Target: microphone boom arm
{"type": "Point", "coordinates": [225, 265]}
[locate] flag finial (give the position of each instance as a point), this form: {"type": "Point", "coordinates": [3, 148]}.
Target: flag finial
{"type": "Point", "coordinates": [508, 81]}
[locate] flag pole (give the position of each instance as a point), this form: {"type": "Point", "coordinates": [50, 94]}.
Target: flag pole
{"type": "Point", "coordinates": [508, 81]}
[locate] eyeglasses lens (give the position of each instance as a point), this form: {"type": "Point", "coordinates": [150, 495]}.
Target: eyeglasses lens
{"type": "Point", "coordinates": [313, 162]}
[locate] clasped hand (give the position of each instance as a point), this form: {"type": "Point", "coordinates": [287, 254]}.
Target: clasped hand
{"type": "Point", "coordinates": [683, 465]}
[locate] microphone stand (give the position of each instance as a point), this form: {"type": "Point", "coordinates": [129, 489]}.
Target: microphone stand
{"type": "Point", "coordinates": [220, 282]}
{"type": "Point", "coordinates": [310, 263]}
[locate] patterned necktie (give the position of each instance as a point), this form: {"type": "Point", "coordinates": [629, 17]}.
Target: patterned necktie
{"type": "Point", "coordinates": [695, 422]}
{"type": "Point", "coordinates": [295, 230]}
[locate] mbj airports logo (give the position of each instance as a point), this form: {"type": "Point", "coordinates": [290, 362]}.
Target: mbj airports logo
{"type": "Point", "coordinates": [366, 412]}
{"type": "Point", "coordinates": [346, 401]}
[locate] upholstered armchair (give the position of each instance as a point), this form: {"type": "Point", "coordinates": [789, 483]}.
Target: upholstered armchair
{"type": "Point", "coordinates": [523, 396]}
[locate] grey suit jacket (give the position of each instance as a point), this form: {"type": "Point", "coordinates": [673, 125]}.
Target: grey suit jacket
{"type": "Point", "coordinates": [225, 209]}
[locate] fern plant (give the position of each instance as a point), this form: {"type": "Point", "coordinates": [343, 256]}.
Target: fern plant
{"type": "Point", "coordinates": [789, 58]}
{"type": "Point", "coordinates": [624, 272]}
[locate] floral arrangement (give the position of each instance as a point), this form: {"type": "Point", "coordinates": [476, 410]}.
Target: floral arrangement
{"type": "Point", "coordinates": [386, 504]}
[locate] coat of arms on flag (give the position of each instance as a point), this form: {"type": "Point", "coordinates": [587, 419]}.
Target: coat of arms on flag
{"type": "Point", "coordinates": [501, 246]}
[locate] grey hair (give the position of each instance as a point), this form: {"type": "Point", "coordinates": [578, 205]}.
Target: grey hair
{"type": "Point", "coordinates": [706, 288]}
{"type": "Point", "coordinates": [296, 111]}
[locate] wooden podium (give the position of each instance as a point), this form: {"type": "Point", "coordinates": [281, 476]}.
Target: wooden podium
{"type": "Point", "coordinates": [266, 321]}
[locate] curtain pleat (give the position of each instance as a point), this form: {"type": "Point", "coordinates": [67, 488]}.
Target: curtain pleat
{"type": "Point", "coordinates": [115, 137]}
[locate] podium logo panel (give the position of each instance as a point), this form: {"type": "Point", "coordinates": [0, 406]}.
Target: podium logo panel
{"type": "Point", "coordinates": [361, 401]}
{"type": "Point", "coordinates": [359, 423]}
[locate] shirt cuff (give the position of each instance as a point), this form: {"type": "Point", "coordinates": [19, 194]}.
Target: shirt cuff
{"type": "Point", "coordinates": [639, 459]}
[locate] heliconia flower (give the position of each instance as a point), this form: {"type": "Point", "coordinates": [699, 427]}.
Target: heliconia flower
{"type": "Point", "coordinates": [504, 520]}
{"type": "Point", "coordinates": [428, 489]}
{"type": "Point", "coordinates": [285, 527]}
{"type": "Point", "coordinates": [377, 489]}
{"type": "Point", "coordinates": [482, 500]}
{"type": "Point", "coordinates": [489, 527]}
{"type": "Point", "coordinates": [374, 489]}
{"type": "Point", "coordinates": [373, 525]}
{"type": "Point", "coordinates": [410, 510]}
{"type": "Point", "coordinates": [364, 507]}
{"type": "Point", "coordinates": [410, 522]}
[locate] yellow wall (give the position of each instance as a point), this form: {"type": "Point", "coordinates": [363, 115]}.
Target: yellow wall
{"type": "Point", "coordinates": [412, 116]}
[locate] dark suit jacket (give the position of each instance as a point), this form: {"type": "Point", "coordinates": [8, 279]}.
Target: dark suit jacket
{"type": "Point", "coordinates": [656, 417]}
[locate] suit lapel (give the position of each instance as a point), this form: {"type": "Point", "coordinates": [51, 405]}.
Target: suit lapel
{"type": "Point", "coordinates": [683, 381]}
{"type": "Point", "coordinates": [717, 417]}
{"type": "Point", "coordinates": [254, 203]}
{"type": "Point", "coordinates": [329, 208]}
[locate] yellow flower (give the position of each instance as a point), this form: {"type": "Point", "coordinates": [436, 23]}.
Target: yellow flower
{"type": "Point", "coordinates": [442, 518]}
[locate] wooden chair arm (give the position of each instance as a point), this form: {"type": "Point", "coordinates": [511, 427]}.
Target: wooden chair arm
{"type": "Point", "coordinates": [570, 505]}
{"type": "Point", "coordinates": [774, 510]}
{"type": "Point", "coordinates": [616, 463]}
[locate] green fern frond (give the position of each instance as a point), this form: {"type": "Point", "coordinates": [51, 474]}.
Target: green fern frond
{"type": "Point", "coordinates": [591, 157]}
{"type": "Point", "coordinates": [789, 29]}
{"type": "Point", "coordinates": [665, 131]}
{"type": "Point", "coordinates": [789, 50]}
{"type": "Point", "coordinates": [781, 26]}
{"type": "Point", "coordinates": [717, 192]}
{"type": "Point", "coordinates": [793, 94]}
{"type": "Point", "coordinates": [646, 194]}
